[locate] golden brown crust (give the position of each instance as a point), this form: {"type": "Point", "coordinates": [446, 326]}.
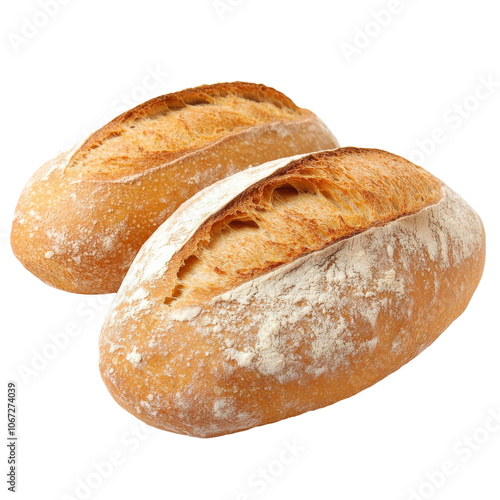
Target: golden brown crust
{"type": "Point", "coordinates": [204, 94]}
{"type": "Point", "coordinates": [302, 336]}
{"type": "Point", "coordinates": [320, 199]}
{"type": "Point", "coordinates": [79, 228]}
{"type": "Point", "coordinates": [160, 131]}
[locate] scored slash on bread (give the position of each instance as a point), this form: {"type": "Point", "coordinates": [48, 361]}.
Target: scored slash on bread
{"type": "Point", "coordinates": [303, 210]}
{"type": "Point", "coordinates": [288, 287]}
{"type": "Point", "coordinates": [83, 216]}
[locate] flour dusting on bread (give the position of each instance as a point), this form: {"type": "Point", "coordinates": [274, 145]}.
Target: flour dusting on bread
{"type": "Point", "coordinates": [291, 338]}
{"type": "Point", "coordinates": [353, 276]}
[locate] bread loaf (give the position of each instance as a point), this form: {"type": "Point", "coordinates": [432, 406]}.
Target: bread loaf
{"type": "Point", "coordinates": [288, 287]}
{"type": "Point", "coordinates": [83, 216]}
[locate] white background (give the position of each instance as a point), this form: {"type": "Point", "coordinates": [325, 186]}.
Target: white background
{"type": "Point", "coordinates": [389, 90]}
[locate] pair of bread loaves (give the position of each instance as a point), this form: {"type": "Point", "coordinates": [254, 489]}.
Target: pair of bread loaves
{"type": "Point", "coordinates": [280, 289]}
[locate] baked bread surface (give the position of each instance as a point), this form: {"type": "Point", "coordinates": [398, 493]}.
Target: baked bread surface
{"type": "Point", "coordinates": [83, 216]}
{"type": "Point", "coordinates": [286, 288]}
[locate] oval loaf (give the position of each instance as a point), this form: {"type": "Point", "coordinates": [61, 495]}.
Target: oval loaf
{"type": "Point", "coordinates": [286, 288]}
{"type": "Point", "coordinates": [83, 216]}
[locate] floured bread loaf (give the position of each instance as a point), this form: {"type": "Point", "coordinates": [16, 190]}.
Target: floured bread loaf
{"type": "Point", "coordinates": [83, 216]}
{"type": "Point", "coordinates": [286, 288]}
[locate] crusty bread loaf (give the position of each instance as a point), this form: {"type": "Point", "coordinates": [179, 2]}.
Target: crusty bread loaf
{"type": "Point", "coordinates": [286, 288]}
{"type": "Point", "coordinates": [83, 216]}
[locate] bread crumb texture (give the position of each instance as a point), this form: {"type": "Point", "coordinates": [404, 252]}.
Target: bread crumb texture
{"type": "Point", "coordinates": [304, 281]}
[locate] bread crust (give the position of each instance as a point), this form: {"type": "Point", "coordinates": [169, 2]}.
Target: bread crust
{"type": "Point", "coordinates": [79, 228]}
{"type": "Point", "coordinates": [189, 97]}
{"type": "Point", "coordinates": [307, 334]}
